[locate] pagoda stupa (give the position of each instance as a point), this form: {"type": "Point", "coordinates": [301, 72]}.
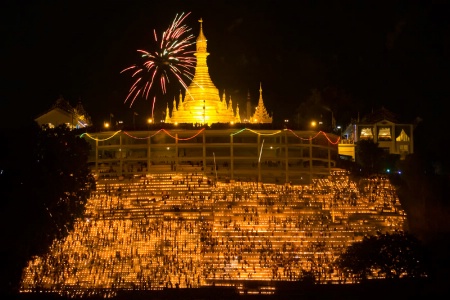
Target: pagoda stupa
{"type": "Point", "coordinates": [202, 103]}
{"type": "Point", "coordinates": [261, 115]}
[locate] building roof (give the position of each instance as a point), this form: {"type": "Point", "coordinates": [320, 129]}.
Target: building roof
{"type": "Point", "coordinates": [61, 112]}
{"type": "Point", "coordinates": [380, 115]}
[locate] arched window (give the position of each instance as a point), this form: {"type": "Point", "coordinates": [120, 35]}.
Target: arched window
{"type": "Point", "coordinates": [366, 134]}
{"type": "Point", "coordinates": [384, 134]}
{"type": "Point", "coordinates": [403, 137]}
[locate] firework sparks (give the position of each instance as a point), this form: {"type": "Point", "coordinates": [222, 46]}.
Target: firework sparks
{"type": "Point", "coordinates": [171, 59]}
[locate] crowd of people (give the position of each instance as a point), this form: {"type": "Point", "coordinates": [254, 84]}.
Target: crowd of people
{"type": "Point", "coordinates": [185, 230]}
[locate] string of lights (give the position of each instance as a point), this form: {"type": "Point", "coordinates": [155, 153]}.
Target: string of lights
{"type": "Point", "coordinates": [255, 132]}
{"type": "Point", "coordinates": [143, 138]}
{"type": "Point", "coordinates": [290, 130]}
{"type": "Point", "coordinates": [201, 130]}
{"type": "Point", "coordinates": [100, 140]}
{"type": "Point", "coordinates": [318, 133]}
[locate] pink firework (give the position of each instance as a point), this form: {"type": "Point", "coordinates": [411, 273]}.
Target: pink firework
{"type": "Point", "coordinates": [171, 59]}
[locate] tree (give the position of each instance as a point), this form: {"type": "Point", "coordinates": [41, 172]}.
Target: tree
{"type": "Point", "coordinates": [369, 156]}
{"type": "Point", "coordinates": [358, 259]}
{"type": "Point", "coordinates": [45, 184]}
{"type": "Point", "coordinates": [64, 181]}
{"type": "Point", "coordinates": [423, 190]}
{"type": "Point", "coordinates": [396, 255]}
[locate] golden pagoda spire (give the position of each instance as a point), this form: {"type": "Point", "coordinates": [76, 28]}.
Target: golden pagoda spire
{"type": "Point", "coordinates": [261, 115]}
{"type": "Point", "coordinates": [202, 102]}
{"type": "Point", "coordinates": [167, 118]}
{"type": "Point", "coordinates": [180, 101]}
{"type": "Point", "coordinates": [201, 39]}
{"type": "Point", "coordinates": [174, 105]}
{"type": "Point", "coordinates": [238, 116]}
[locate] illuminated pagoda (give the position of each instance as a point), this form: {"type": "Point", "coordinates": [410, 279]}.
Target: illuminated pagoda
{"type": "Point", "coordinates": [202, 103]}
{"type": "Point", "coordinates": [261, 115]}
{"type": "Point", "coordinates": [246, 209]}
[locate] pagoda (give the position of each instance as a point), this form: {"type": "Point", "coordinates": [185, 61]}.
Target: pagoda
{"type": "Point", "coordinates": [261, 115]}
{"type": "Point", "coordinates": [202, 103]}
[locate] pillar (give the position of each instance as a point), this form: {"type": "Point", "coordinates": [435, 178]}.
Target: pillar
{"type": "Point", "coordinates": [329, 156]}
{"type": "Point", "coordinates": [96, 156]}
{"type": "Point", "coordinates": [231, 157]}
{"type": "Point", "coordinates": [259, 161]}
{"type": "Point", "coordinates": [120, 155]}
{"type": "Point", "coordinates": [310, 159]}
{"type": "Point", "coordinates": [204, 152]}
{"type": "Point", "coordinates": [286, 157]}
{"type": "Point", "coordinates": [176, 152]}
{"type": "Point", "coordinates": [149, 156]}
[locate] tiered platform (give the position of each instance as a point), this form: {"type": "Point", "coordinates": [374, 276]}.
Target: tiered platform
{"type": "Point", "coordinates": [171, 230]}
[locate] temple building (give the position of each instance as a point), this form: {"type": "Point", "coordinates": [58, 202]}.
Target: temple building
{"type": "Point", "coordinates": [384, 128]}
{"type": "Point", "coordinates": [261, 115]}
{"type": "Point", "coordinates": [202, 103]}
{"type": "Point", "coordinates": [253, 210]}
{"type": "Point", "coordinates": [63, 113]}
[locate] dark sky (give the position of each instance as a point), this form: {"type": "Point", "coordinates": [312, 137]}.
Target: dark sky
{"type": "Point", "coordinates": [362, 54]}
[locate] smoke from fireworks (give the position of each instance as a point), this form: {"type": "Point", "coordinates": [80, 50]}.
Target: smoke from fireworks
{"type": "Point", "coordinates": [171, 59]}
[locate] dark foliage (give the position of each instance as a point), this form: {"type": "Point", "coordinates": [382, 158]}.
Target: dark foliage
{"type": "Point", "coordinates": [396, 255]}
{"type": "Point", "coordinates": [369, 156]}
{"type": "Point", "coordinates": [423, 190]}
{"type": "Point", "coordinates": [44, 186]}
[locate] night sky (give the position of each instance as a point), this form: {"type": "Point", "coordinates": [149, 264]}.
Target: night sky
{"type": "Point", "coordinates": [365, 54]}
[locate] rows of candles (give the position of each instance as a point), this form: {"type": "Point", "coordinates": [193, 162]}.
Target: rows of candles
{"type": "Point", "coordinates": [187, 231]}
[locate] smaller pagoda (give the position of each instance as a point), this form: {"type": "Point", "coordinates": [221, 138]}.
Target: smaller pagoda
{"type": "Point", "coordinates": [261, 115]}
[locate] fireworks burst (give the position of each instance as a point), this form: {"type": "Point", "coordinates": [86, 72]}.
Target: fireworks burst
{"type": "Point", "coordinates": [172, 58]}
